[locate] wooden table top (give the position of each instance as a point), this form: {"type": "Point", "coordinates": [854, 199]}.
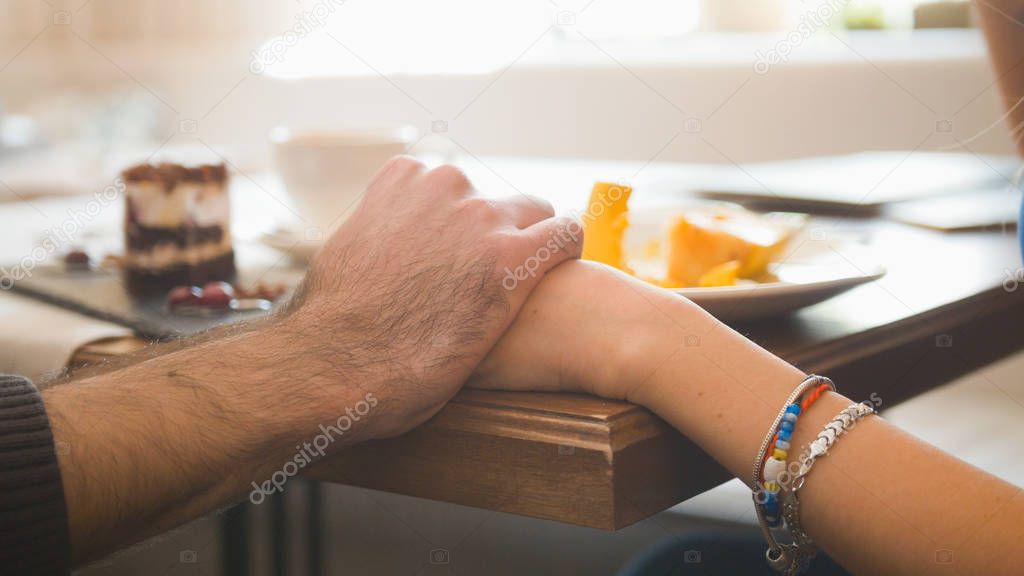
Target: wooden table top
{"type": "Point", "coordinates": [941, 311]}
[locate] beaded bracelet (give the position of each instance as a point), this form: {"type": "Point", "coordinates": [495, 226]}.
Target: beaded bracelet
{"type": "Point", "coordinates": [778, 450]}
{"type": "Point", "coordinates": [769, 465]}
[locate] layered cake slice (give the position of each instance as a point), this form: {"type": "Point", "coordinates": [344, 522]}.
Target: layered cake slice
{"type": "Point", "coordinates": [177, 227]}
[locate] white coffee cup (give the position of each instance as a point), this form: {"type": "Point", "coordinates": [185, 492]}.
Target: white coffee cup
{"type": "Point", "coordinates": [326, 171]}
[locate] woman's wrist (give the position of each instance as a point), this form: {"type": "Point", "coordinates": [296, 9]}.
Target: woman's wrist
{"type": "Point", "coordinates": [665, 345]}
{"type": "Point", "coordinates": [716, 387]}
{"type": "Point", "coordinates": [642, 329]}
{"type": "Point", "coordinates": [657, 349]}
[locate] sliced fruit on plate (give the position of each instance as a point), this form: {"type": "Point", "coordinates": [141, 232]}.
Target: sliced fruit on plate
{"type": "Point", "coordinates": [701, 240]}
{"type": "Point", "coordinates": [721, 275]}
{"type": "Point", "coordinates": [604, 224]}
{"type": "Point", "coordinates": [691, 245]}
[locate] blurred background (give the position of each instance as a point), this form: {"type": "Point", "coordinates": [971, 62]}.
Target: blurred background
{"type": "Point", "coordinates": [572, 78]}
{"type": "Point", "coordinates": [88, 85]}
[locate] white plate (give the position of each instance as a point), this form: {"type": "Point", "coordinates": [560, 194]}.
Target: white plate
{"type": "Point", "coordinates": [293, 243]}
{"type": "Point", "coordinates": [810, 270]}
{"type": "Point", "coordinates": [810, 276]}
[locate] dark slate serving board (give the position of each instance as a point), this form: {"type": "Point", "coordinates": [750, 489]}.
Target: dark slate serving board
{"type": "Point", "coordinates": [100, 294]}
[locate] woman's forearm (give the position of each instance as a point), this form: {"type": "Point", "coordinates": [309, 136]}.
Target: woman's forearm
{"type": "Point", "coordinates": [881, 502]}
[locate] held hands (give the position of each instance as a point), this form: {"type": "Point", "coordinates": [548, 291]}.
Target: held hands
{"type": "Point", "coordinates": [586, 328]}
{"type": "Point", "coordinates": [413, 290]}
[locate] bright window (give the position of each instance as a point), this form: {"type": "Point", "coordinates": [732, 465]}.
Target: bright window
{"type": "Point", "coordinates": [457, 36]}
{"type": "Point", "coordinates": [366, 37]}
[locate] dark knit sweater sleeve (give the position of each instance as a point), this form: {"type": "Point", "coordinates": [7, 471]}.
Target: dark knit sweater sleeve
{"type": "Point", "coordinates": [33, 517]}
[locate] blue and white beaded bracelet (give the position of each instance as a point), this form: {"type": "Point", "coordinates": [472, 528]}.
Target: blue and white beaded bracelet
{"type": "Point", "coordinates": [770, 471]}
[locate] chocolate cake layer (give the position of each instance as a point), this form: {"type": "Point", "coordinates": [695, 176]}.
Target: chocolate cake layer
{"type": "Point", "coordinates": [170, 174]}
{"type": "Point", "coordinates": [141, 238]}
{"type": "Point", "coordinates": [149, 281]}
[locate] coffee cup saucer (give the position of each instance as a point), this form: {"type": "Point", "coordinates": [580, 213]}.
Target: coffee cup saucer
{"type": "Point", "coordinates": [294, 241]}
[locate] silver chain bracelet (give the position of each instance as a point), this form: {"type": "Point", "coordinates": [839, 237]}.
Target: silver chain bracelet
{"type": "Point", "coordinates": [803, 546]}
{"type": "Point", "coordinates": [843, 422]}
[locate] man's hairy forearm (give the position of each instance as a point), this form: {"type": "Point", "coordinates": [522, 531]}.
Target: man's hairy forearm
{"type": "Point", "coordinates": [397, 309]}
{"type": "Point", "coordinates": [159, 442]}
{"type": "Point", "coordinates": [1003, 23]}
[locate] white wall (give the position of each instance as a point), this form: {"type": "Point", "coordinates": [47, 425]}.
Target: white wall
{"type": "Point", "coordinates": [562, 99]}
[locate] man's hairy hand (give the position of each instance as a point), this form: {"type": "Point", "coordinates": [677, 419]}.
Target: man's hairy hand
{"type": "Point", "coordinates": [418, 284]}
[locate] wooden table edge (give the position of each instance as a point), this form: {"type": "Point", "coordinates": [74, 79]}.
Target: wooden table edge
{"type": "Point", "coordinates": [592, 462]}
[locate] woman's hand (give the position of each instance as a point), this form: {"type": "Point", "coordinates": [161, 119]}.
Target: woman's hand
{"type": "Point", "coordinates": [588, 328]}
